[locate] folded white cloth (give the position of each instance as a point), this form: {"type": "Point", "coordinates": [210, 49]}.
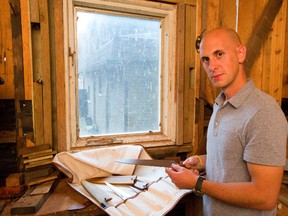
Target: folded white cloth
{"type": "Point", "coordinates": [97, 162]}
{"type": "Point", "coordinates": [158, 199]}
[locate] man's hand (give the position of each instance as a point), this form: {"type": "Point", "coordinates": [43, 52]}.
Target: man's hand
{"type": "Point", "coordinates": [195, 162]}
{"type": "Point", "coordinates": [183, 178]}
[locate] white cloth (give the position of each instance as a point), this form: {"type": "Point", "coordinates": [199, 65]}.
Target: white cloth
{"type": "Point", "coordinates": [158, 199]}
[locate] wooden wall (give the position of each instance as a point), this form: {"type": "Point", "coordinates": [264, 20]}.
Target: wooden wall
{"type": "Point", "coordinates": [6, 54]}
{"type": "Point", "coordinates": [42, 58]}
{"type": "Point", "coordinates": [268, 71]}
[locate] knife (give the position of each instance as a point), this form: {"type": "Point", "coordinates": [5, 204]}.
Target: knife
{"type": "Point", "coordinates": [151, 162]}
{"type": "Point", "coordinates": [101, 196]}
{"type": "Point", "coordinates": [122, 194]}
{"type": "Point", "coordinates": [121, 180]}
{"type": "Point", "coordinates": [147, 162]}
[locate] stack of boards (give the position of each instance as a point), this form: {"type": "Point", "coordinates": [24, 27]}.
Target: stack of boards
{"type": "Point", "coordinates": [37, 164]}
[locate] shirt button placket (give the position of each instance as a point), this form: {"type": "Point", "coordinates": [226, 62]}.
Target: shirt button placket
{"type": "Point", "coordinates": [216, 124]}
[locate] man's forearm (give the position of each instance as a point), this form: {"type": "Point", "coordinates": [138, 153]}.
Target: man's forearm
{"type": "Point", "coordinates": [244, 194]}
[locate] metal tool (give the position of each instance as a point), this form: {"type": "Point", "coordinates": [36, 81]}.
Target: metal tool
{"type": "Point", "coordinates": [151, 162]}
{"type": "Point", "coordinates": [101, 196]}
{"type": "Point", "coordinates": [122, 194]}
{"type": "Point", "coordinates": [119, 180]}
{"type": "Point", "coordinates": [148, 162]}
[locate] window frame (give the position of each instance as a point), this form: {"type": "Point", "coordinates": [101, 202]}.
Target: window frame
{"type": "Point", "coordinates": [169, 91]}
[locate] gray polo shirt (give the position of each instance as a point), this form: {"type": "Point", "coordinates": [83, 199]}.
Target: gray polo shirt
{"type": "Point", "coordinates": [250, 127]}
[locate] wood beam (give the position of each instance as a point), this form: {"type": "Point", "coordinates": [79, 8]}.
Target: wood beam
{"type": "Point", "coordinates": [260, 32]}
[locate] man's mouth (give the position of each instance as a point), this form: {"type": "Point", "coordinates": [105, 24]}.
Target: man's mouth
{"type": "Point", "coordinates": [216, 76]}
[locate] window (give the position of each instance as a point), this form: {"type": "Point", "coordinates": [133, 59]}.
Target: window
{"type": "Point", "coordinates": [119, 55]}
{"type": "Point", "coordinates": [122, 71]}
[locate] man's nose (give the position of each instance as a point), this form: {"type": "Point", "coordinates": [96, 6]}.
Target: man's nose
{"type": "Point", "coordinates": [212, 64]}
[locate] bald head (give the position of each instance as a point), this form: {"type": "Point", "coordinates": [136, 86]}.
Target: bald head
{"type": "Point", "coordinates": [223, 55]}
{"type": "Point", "coordinates": [227, 34]}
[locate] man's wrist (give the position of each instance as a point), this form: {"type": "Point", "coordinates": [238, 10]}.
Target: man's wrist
{"type": "Point", "coordinates": [198, 187]}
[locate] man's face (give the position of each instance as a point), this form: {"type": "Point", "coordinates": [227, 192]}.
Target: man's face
{"type": "Point", "coordinates": [220, 57]}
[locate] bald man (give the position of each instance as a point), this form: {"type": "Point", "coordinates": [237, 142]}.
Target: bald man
{"type": "Point", "coordinates": [246, 140]}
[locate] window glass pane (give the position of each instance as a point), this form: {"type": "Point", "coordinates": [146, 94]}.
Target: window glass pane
{"type": "Point", "coordinates": [118, 73]}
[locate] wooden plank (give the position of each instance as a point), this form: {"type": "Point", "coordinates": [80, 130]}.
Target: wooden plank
{"type": "Point", "coordinates": [34, 11]}
{"type": "Point", "coordinates": [38, 163]}
{"type": "Point", "coordinates": [7, 90]}
{"type": "Point", "coordinates": [17, 49]}
{"type": "Point", "coordinates": [34, 181]}
{"type": "Point", "coordinates": [30, 204]}
{"type": "Point", "coordinates": [27, 55]}
{"type": "Point", "coordinates": [285, 75]}
{"type": "Point", "coordinates": [260, 32]}
{"type": "Point", "coordinates": [211, 9]}
{"type": "Point", "coordinates": [187, 2]}
{"type": "Point", "coordinates": [39, 154]}
{"type": "Point", "coordinates": [37, 86]}
{"type": "Point", "coordinates": [40, 172]}
{"type": "Point", "coordinates": [189, 75]}
{"type": "Point", "coordinates": [277, 56]}
{"type": "Point", "coordinates": [227, 14]}
{"type": "Point", "coordinates": [25, 150]}
{"type": "Point", "coordinates": [58, 50]}
{"type": "Point", "coordinates": [38, 159]}
{"type": "Point", "coordinates": [181, 15]}
{"type": "Point", "coordinates": [45, 68]}
{"type": "Point", "coordinates": [267, 70]}
{"type": "Point", "coordinates": [200, 82]}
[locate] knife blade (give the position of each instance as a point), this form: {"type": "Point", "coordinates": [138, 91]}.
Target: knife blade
{"type": "Point", "coordinates": [147, 162]}
{"type": "Point", "coordinates": [101, 196]}
{"type": "Point", "coordinates": [119, 180]}
{"type": "Point", "coordinates": [122, 194]}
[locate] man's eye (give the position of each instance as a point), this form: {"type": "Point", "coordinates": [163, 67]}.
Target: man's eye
{"type": "Point", "coordinates": [205, 59]}
{"type": "Point", "coordinates": [219, 54]}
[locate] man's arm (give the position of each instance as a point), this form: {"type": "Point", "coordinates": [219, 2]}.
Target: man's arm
{"type": "Point", "coordinates": [261, 193]}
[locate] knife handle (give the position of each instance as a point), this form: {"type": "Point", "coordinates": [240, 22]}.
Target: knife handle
{"type": "Point", "coordinates": [104, 204]}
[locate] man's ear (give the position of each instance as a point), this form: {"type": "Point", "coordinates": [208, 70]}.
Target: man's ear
{"type": "Point", "coordinates": [242, 49]}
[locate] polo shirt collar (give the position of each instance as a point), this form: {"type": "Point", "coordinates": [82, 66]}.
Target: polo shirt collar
{"type": "Point", "coordinates": [238, 99]}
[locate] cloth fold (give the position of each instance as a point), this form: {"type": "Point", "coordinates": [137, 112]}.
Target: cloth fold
{"type": "Point", "coordinates": [96, 162]}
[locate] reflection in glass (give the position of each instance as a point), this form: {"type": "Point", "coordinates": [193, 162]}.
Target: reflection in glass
{"type": "Point", "coordinates": [118, 74]}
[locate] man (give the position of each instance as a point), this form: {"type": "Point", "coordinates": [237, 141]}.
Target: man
{"type": "Point", "coordinates": [246, 140]}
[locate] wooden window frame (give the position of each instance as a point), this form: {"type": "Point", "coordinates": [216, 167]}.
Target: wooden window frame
{"type": "Point", "coordinates": [172, 87]}
{"type": "Point", "coordinates": [180, 87]}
